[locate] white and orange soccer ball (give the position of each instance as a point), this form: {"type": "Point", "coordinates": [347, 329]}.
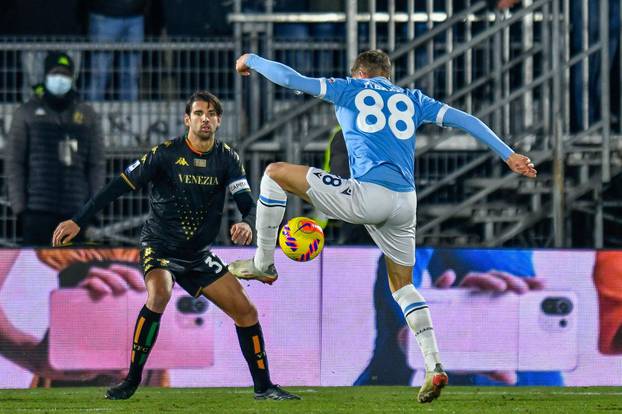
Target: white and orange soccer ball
{"type": "Point", "coordinates": [301, 239]}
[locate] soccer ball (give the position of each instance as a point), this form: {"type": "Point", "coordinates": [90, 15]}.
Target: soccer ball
{"type": "Point", "coordinates": [301, 239]}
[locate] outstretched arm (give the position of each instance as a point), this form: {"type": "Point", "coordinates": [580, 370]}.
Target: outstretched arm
{"type": "Point", "coordinates": [518, 163]}
{"type": "Point", "coordinates": [137, 174]}
{"type": "Point", "coordinates": [69, 229]}
{"type": "Point", "coordinates": [278, 73]}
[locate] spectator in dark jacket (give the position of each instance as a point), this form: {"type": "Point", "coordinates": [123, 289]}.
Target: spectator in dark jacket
{"type": "Point", "coordinates": [55, 159]}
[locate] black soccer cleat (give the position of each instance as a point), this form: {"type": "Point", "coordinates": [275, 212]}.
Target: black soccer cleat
{"type": "Point", "coordinates": [122, 391]}
{"type": "Point", "coordinates": [275, 392]}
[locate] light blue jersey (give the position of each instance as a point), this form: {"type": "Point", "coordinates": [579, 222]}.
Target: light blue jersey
{"type": "Point", "coordinates": [379, 121]}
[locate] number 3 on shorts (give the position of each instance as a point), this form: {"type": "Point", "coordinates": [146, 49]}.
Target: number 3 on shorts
{"type": "Point", "coordinates": [213, 264]}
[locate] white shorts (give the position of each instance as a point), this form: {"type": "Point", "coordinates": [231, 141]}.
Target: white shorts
{"type": "Point", "coordinates": [389, 216]}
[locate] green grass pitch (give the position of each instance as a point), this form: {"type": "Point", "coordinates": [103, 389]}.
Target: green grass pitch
{"type": "Point", "coordinates": [317, 400]}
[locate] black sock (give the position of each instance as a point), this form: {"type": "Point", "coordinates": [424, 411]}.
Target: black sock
{"type": "Point", "coordinates": [145, 334]}
{"type": "Point", "coordinates": [253, 349]}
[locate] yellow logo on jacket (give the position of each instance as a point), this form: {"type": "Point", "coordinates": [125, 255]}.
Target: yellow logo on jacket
{"type": "Point", "coordinates": [78, 117]}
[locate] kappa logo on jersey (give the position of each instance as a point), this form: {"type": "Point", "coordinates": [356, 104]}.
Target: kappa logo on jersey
{"type": "Point", "coordinates": [182, 161]}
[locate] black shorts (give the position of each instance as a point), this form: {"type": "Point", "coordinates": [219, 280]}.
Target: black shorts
{"type": "Point", "coordinates": [191, 274]}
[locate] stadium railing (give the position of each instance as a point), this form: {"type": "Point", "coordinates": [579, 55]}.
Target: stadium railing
{"type": "Point", "coordinates": [517, 71]}
{"type": "Point", "coordinates": [511, 68]}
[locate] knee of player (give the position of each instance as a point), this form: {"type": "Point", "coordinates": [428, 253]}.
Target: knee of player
{"type": "Point", "coordinates": [160, 296]}
{"type": "Point", "coordinates": [247, 315]}
{"type": "Point", "coordinates": [274, 170]}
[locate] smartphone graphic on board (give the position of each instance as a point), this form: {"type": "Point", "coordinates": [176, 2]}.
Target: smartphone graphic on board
{"type": "Point", "coordinates": [484, 331]}
{"type": "Point", "coordinates": [97, 334]}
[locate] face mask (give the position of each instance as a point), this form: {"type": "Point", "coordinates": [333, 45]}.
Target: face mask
{"type": "Point", "coordinates": [58, 84]}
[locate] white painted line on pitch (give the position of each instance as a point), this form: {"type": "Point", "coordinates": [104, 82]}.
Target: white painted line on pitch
{"type": "Point", "coordinates": [520, 392]}
{"type": "Point", "coordinates": [246, 392]}
{"type": "Point", "coordinates": [202, 391]}
{"type": "Point", "coordinates": [31, 410]}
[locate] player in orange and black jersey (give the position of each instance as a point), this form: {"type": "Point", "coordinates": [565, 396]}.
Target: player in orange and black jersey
{"type": "Point", "coordinates": [189, 177]}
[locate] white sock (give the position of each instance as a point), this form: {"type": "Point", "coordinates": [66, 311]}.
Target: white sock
{"type": "Point", "coordinates": [270, 211]}
{"type": "Point", "coordinates": [419, 320]}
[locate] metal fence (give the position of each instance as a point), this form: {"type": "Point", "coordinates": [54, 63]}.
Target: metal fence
{"type": "Point", "coordinates": [526, 73]}
{"type": "Point", "coordinates": [536, 76]}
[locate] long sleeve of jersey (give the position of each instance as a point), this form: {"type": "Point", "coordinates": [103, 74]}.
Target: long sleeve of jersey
{"type": "Point", "coordinates": [247, 207]}
{"type": "Point", "coordinates": [284, 75]}
{"type": "Point", "coordinates": [133, 177]}
{"type": "Point", "coordinates": [113, 190]}
{"type": "Point", "coordinates": [239, 188]}
{"type": "Point", "coordinates": [455, 118]}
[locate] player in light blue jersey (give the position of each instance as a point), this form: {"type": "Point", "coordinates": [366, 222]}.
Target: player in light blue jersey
{"type": "Point", "coordinates": [379, 120]}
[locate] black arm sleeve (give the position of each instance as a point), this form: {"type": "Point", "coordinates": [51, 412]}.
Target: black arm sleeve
{"type": "Point", "coordinates": [115, 189]}
{"type": "Point", "coordinates": [247, 207]}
